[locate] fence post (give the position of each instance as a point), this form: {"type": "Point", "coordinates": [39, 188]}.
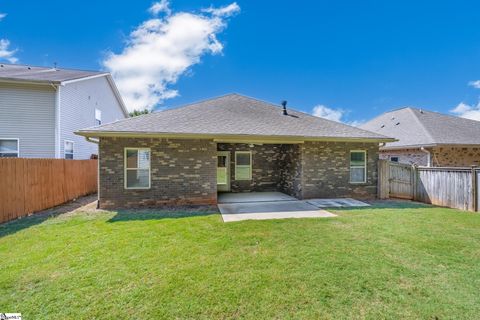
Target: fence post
{"type": "Point", "coordinates": [383, 179]}
{"type": "Point", "coordinates": [474, 189]}
{"type": "Point", "coordinates": [414, 182]}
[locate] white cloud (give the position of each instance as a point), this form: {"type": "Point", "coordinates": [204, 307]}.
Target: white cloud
{"type": "Point", "coordinates": [5, 52]}
{"type": "Point", "coordinates": [226, 11]}
{"type": "Point", "coordinates": [160, 50]}
{"type": "Point", "coordinates": [161, 6]}
{"type": "Point", "coordinates": [323, 111]}
{"type": "Point", "coordinates": [337, 115]}
{"type": "Point", "coordinates": [467, 111]}
{"type": "Point", "coordinates": [356, 123]}
{"type": "Point", "coordinates": [475, 84]}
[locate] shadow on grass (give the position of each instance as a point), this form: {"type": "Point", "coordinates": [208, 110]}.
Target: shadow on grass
{"type": "Point", "coordinates": [37, 218]}
{"type": "Point", "coordinates": [160, 214]}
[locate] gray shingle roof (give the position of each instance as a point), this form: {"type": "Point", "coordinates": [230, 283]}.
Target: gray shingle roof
{"type": "Point", "coordinates": [233, 114]}
{"type": "Point", "coordinates": [415, 127]}
{"type": "Point", "coordinates": [17, 72]}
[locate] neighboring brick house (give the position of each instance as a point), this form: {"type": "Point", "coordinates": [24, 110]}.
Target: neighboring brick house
{"type": "Point", "coordinates": [427, 138]}
{"type": "Point", "coordinates": [231, 144]}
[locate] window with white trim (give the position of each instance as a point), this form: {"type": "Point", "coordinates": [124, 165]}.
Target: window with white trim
{"type": "Point", "coordinates": [98, 117]}
{"type": "Point", "coordinates": [358, 166]}
{"type": "Point", "coordinates": [137, 168]}
{"type": "Point", "coordinates": [9, 148]}
{"type": "Point", "coordinates": [243, 165]}
{"type": "Point", "coordinates": [68, 149]}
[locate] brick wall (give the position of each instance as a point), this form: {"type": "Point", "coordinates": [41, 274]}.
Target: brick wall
{"type": "Point", "coordinates": [452, 156]}
{"type": "Point", "coordinates": [326, 170]}
{"type": "Point", "coordinates": [445, 156]}
{"type": "Point", "coordinates": [183, 172]}
{"type": "Point", "coordinates": [290, 170]}
{"type": "Point", "coordinates": [265, 162]}
{"type": "Point", "coordinates": [308, 170]}
{"type": "Point", "coordinates": [408, 156]}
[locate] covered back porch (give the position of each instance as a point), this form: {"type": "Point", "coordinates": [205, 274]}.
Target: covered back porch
{"type": "Point", "coordinates": [259, 167]}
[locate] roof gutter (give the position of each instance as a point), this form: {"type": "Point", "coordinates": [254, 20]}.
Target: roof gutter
{"type": "Point", "coordinates": [228, 137]}
{"type": "Point", "coordinates": [39, 82]}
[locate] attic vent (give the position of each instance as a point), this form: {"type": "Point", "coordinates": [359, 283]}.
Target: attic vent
{"type": "Point", "coordinates": [284, 104]}
{"type": "Point", "coordinates": [397, 123]}
{"type": "Point", "coordinates": [382, 126]}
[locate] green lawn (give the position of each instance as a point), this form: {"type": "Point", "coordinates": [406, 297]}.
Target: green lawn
{"type": "Point", "coordinates": [392, 261]}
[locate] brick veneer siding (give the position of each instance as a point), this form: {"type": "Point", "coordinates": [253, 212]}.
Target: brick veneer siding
{"type": "Point", "coordinates": [326, 170]}
{"type": "Point", "coordinates": [265, 166]}
{"type": "Point", "coordinates": [308, 170]}
{"type": "Point", "coordinates": [408, 156]}
{"type": "Point", "coordinates": [183, 172]}
{"type": "Point", "coordinates": [290, 170]}
{"type": "Point", "coordinates": [444, 156]}
{"type": "Point", "coordinates": [452, 156]}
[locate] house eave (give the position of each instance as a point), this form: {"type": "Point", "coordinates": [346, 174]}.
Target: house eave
{"type": "Point", "coordinates": [230, 138]}
{"type": "Point", "coordinates": [430, 145]}
{"type": "Point", "coordinates": [25, 81]}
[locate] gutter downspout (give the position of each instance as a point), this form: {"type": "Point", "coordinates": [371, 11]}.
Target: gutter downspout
{"type": "Point", "coordinates": [90, 139]}
{"type": "Point", "coordinates": [96, 141]}
{"type": "Point", "coordinates": [429, 156]}
{"type": "Point", "coordinates": [57, 120]}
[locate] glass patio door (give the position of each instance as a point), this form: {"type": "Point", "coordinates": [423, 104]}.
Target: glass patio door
{"type": "Point", "coordinates": [223, 171]}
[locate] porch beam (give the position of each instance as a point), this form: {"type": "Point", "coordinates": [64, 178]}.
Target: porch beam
{"type": "Point", "coordinates": [255, 141]}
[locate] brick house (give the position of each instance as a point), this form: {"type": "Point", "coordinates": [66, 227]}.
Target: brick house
{"type": "Point", "coordinates": [231, 143]}
{"type": "Point", "coordinates": [427, 138]}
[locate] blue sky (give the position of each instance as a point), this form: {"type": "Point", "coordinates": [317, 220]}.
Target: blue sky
{"type": "Point", "coordinates": [357, 58]}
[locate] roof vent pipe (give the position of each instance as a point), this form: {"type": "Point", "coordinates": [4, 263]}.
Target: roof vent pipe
{"type": "Point", "coordinates": [284, 104]}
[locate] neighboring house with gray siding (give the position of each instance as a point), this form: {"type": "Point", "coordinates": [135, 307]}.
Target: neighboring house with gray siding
{"type": "Point", "coordinates": [427, 138]}
{"type": "Point", "coordinates": [41, 108]}
{"type": "Point", "coordinates": [233, 143]}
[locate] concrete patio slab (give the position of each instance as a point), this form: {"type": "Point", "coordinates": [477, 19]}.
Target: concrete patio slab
{"type": "Point", "coordinates": [270, 210]}
{"type": "Point", "coordinates": [337, 203]}
{"type": "Point", "coordinates": [277, 215]}
{"type": "Point", "coordinates": [253, 197]}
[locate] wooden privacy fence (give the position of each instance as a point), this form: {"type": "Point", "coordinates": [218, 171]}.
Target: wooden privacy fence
{"type": "Point", "coordinates": [30, 185]}
{"type": "Point", "coordinates": [449, 187]}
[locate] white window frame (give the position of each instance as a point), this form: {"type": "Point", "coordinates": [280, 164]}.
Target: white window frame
{"type": "Point", "coordinates": [100, 120]}
{"type": "Point", "coordinates": [18, 145]}
{"type": "Point", "coordinates": [243, 166]}
{"type": "Point", "coordinates": [65, 149]}
{"type": "Point", "coordinates": [350, 166]}
{"type": "Point", "coordinates": [125, 169]}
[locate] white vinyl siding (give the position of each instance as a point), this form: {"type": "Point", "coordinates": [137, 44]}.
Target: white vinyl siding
{"type": "Point", "coordinates": [243, 165]}
{"type": "Point", "coordinates": [358, 166]}
{"type": "Point", "coordinates": [137, 168]}
{"type": "Point", "coordinates": [27, 113]}
{"type": "Point", "coordinates": [79, 102]}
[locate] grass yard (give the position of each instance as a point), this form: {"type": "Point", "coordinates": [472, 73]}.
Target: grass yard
{"type": "Point", "coordinates": [395, 260]}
